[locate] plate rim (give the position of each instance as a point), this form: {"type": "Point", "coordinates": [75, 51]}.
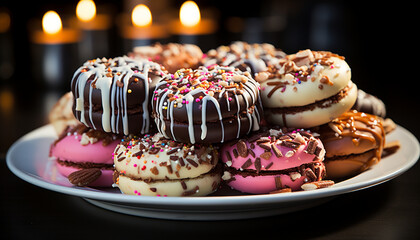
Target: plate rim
{"type": "Point", "coordinates": [203, 201]}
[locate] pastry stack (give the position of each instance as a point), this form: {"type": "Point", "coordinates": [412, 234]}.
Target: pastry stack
{"type": "Point", "coordinates": [168, 113]}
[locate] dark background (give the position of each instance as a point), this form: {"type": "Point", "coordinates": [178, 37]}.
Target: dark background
{"type": "Point", "coordinates": [379, 41]}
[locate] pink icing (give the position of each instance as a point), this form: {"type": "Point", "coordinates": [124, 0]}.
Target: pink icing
{"type": "Point", "coordinates": [105, 180]}
{"type": "Point", "coordinates": [70, 149]}
{"type": "Point", "coordinates": [298, 158]}
{"type": "Point", "coordinates": [264, 183]}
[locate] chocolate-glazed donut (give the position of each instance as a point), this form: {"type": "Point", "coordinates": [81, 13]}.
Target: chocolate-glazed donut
{"type": "Point", "coordinates": [368, 103]}
{"type": "Point", "coordinates": [113, 95]}
{"type": "Point", "coordinates": [207, 105]}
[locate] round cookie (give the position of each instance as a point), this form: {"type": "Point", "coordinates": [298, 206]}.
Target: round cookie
{"type": "Point", "coordinates": [61, 114]}
{"type": "Point", "coordinates": [310, 88]}
{"type": "Point", "coordinates": [154, 165]}
{"type": "Point", "coordinates": [173, 56]}
{"type": "Point", "coordinates": [353, 143]}
{"type": "Point", "coordinates": [253, 58]}
{"type": "Point", "coordinates": [85, 155]}
{"type": "Point", "coordinates": [113, 95]}
{"type": "Point", "coordinates": [207, 105]}
{"type": "Point", "coordinates": [273, 161]}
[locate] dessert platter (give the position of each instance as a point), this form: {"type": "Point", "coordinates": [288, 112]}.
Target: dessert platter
{"type": "Point", "coordinates": [241, 131]}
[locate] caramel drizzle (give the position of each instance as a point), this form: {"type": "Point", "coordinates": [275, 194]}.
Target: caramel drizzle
{"type": "Point", "coordinates": [347, 121]}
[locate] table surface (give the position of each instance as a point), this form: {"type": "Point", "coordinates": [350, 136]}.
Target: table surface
{"type": "Point", "coordinates": [388, 211]}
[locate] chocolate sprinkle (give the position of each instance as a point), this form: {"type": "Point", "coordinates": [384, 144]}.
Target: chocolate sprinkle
{"type": "Point", "coordinates": [290, 144]}
{"type": "Point", "coordinates": [235, 153]}
{"type": "Point", "coordinates": [184, 185]}
{"type": "Point", "coordinates": [228, 156]}
{"type": "Point", "coordinates": [169, 167]}
{"type": "Point", "coordinates": [266, 145]}
{"type": "Point", "coordinates": [139, 153]}
{"type": "Point", "coordinates": [318, 151]}
{"type": "Point", "coordinates": [192, 162]}
{"type": "Point", "coordinates": [257, 164]}
{"type": "Point", "coordinates": [173, 150]}
{"type": "Point", "coordinates": [191, 192]}
{"type": "Point", "coordinates": [312, 144]}
{"type": "Point", "coordinates": [181, 162]}
{"type": "Point", "coordinates": [269, 165]}
{"type": "Point", "coordinates": [276, 151]}
{"type": "Point", "coordinates": [242, 148]}
{"type": "Point", "coordinates": [277, 180]}
{"type": "Point", "coordinates": [310, 174]}
{"type": "Point", "coordinates": [251, 152]}
{"type": "Point", "coordinates": [247, 164]}
{"type": "Point", "coordinates": [263, 140]}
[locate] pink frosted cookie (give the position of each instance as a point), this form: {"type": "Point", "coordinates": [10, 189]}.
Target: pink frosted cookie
{"type": "Point", "coordinates": [84, 155]}
{"type": "Point", "coordinates": [273, 161]}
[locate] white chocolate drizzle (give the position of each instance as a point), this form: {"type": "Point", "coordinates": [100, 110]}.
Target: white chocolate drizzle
{"type": "Point", "coordinates": [165, 95]}
{"type": "Point", "coordinates": [107, 75]}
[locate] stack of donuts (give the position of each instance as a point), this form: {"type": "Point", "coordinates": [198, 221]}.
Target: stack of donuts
{"type": "Point", "coordinates": [168, 120]}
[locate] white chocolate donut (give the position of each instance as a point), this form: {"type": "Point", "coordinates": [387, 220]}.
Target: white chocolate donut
{"type": "Point", "coordinates": [317, 114]}
{"type": "Point", "coordinates": [159, 158]}
{"type": "Point", "coordinates": [309, 88]}
{"type": "Point", "coordinates": [199, 186]}
{"type": "Point", "coordinates": [154, 165]}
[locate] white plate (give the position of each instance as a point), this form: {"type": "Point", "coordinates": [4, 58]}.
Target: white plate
{"type": "Point", "coordinates": [28, 159]}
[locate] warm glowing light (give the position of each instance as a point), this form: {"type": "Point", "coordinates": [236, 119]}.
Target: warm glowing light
{"type": "Point", "coordinates": [141, 16]}
{"type": "Point", "coordinates": [51, 22]}
{"type": "Point", "coordinates": [4, 21]}
{"type": "Point", "coordinates": [86, 10]}
{"type": "Point", "coordinates": [189, 14]}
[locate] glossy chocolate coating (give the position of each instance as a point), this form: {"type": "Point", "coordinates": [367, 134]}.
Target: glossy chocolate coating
{"type": "Point", "coordinates": [369, 104]}
{"type": "Point", "coordinates": [113, 95]}
{"type": "Point", "coordinates": [207, 105]}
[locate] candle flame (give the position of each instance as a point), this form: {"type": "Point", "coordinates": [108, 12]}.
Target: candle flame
{"type": "Point", "coordinates": [86, 10]}
{"type": "Point", "coordinates": [189, 14]}
{"type": "Point", "coordinates": [141, 16]}
{"type": "Point", "coordinates": [51, 22]}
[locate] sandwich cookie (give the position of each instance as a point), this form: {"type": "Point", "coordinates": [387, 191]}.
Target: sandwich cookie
{"type": "Point", "coordinates": [310, 88]}
{"type": "Point", "coordinates": [156, 166]}
{"type": "Point", "coordinates": [273, 161]}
